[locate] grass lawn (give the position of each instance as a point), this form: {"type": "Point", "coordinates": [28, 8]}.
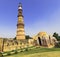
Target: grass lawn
{"type": "Point", "coordinates": [38, 52]}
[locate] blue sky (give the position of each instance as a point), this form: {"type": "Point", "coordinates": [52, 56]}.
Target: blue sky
{"type": "Point", "coordinates": [39, 15]}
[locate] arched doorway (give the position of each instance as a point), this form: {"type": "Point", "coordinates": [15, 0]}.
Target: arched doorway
{"type": "Point", "coordinates": [39, 39]}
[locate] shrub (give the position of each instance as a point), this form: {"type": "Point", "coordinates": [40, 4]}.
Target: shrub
{"type": "Point", "coordinates": [21, 49]}
{"type": "Point", "coordinates": [26, 49]}
{"type": "Point", "coordinates": [12, 50]}
{"type": "Point", "coordinates": [15, 52]}
{"type": "Point", "coordinates": [57, 45]}
{"type": "Point", "coordinates": [8, 53]}
{"type": "Point", "coordinates": [1, 55]}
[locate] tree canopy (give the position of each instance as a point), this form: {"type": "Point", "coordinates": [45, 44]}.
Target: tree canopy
{"type": "Point", "coordinates": [28, 37]}
{"type": "Point", "coordinates": [56, 36]}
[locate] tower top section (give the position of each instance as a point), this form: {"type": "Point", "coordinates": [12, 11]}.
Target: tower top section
{"type": "Point", "coordinates": [20, 6]}
{"type": "Point", "coordinates": [20, 10]}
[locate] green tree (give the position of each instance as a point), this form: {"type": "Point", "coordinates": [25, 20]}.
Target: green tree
{"type": "Point", "coordinates": [28, 37]}
{"type": "Point", "coordinates": [57, 45]}
{"type": "Point", "coordinates": [14, 38]}
{"type": "Point", "coordinates": [56, 36]}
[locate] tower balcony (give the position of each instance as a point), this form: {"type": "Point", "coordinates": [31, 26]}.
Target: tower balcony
{"type": "Point", "coordinates": [20, 24]}
{"type": "Point", "coordinates": [20, 15]}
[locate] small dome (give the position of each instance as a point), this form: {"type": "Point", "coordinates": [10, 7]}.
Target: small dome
{"type": "Point", "coordinates": [42, 34]}
{"type": "Point", "coordinates": [20, 6]}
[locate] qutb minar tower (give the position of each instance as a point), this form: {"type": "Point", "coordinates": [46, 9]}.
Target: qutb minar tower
{"type": "Point", "coordinates": [20, 24]}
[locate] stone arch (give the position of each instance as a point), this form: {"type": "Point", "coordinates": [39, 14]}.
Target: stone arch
{"type": "Point", "coordinates": [39, 39]}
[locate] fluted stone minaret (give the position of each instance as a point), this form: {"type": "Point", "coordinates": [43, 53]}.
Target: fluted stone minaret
{"type": "Point", "coordinates": [20, 24]}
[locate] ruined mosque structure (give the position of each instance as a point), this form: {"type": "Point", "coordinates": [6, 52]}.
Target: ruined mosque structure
{"type": "Point", "coordinates": [40, 39]}
{"type": "Point", "coordinates": [43, 39]}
